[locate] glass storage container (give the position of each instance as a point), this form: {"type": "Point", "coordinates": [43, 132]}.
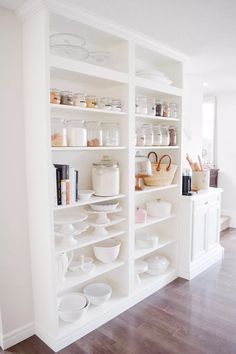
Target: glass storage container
{"type": "Point", "coordinates": [67, 98]}
{"type": "Point", "coordinates": [143, 105]}
{"type": "Point", "coordinates": [157, 135]}
{"type": "Point", "coordinates": [137, 106]}
{"type": "Point", "coordinates": [116, 105]}
{"type": "Point", "coordinates": [148, 134]}
{"type": "Point", "coordinates": [151, 107]}
{"type": "Point", "coordinates": [76, 133]}
{"type": "Point", "coordinates": [106, 177]}
{"type": "Point", "coordinates": [55, 96]}
{"type": "Point", "coordinates": [105, 103]}
{"type": "Point", "coordinates": [91, 101]}
{"type": "Point", "coordinates": [159, 108]}
{"type": "Point", "coordinates": [94, 134]}
{"type": "Point", "coordinates": [166, 110]}
{"type": "Point", "coordinates": [173, 110]}
{"type": "Point", "coordinates": [140, 139]}
{"type": "Point", "coordinates": [59, 132]}
{"type": "Point", "coordinates": [173, 136]}
{"type": "Point", "coordinates": [110, 134]}
{"type": "Point", "coordinates": [165, 136]}
{"type": "Point", "coordinates": [79, 100]}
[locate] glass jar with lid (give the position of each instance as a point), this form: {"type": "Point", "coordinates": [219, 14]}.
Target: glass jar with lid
{"type": "Point", "coordinates": [76, 133]}
{"type": "Point", "coordinates": [157, 135]}
{"type": "Point", "coordinates": [151, 104]}
{"type": "Point", "coordinates": [165, 135]}
{"type": "Point", "coordinates": [148, 134]}
{"type": "Point", "coordinates": [94, 134]}
{"type": "Point", "coordinates": [105, 103]}
{"type": "Point", "coordinates": [116, 105]}
{"type": "Point", "coordinates": [166, 110]}
{"type": "Point", "coordinates": [59, 132]}
{"type": "Point", "coordinates": [55, 96]}
{"type": "Point", "coordinates": [79, 100]}
{"type": "Point", "coordinates": [173, 136]}
{"type": "Point", "coordinates": [159, 108]}
{"type": "Point", "coordinates": [67, 98]}
{"type": "Point", "coordinates": [91, 101]}
{"type": "Point", "coordinates": [140, 140]}
{"type": "Point", "coordinates": [106, 177]}
{"type": "Point", "coordinates": [137, 105]}
{"type": "Point", "coordinates": [110, 134]}
{"type": "Point", "coordinates": [143, 105]}
{"type": "Point", "coordinates": [173, 110]}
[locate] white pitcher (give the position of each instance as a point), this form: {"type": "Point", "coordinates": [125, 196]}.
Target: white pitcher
{"type": "Point", "coordinates": [63, 261]}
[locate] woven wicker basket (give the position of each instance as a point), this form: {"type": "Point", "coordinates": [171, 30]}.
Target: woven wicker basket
{"type": "Point", "coordinates": [163, 173]}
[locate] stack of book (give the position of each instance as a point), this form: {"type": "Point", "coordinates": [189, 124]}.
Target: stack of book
{"type": "Point", "coordinates": [65, 184]}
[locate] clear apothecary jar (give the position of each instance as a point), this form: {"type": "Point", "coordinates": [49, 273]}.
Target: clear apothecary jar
{"type": "Point", "coordinates": [173, 136]}
{"type": "Point", "coordinates": [157, 135]}
{"type": "Point", "coordinates": [110, 134]}
{"type": "Point", "coordinates": [94, 134]}
{"type": "Point", "coordinates": [148, 134]}
{"type": "Point", "coordinates": [140, 139]}
{"type": "Point", "coordinates": [105, 103]}
{"type": "Point", "coordinates": [67, 98]}
{"type": "Point", "coordinates": [59, 132]}
{"type": "Point", "coordinates": [116, 105]}
{"type": "Point", "coordinates": [166, 110]}
{"type": "Point", "coordinates": [173, 110]}
{"type": "Point", "coordinates": [91, 101]}
{"type": "Point", "coordinates": [55, 96]}
{"type": "Point", "coordinates": [151, 105]}
{"type": "Point", "coordinates": [165, 135]}
{"type": "Point", "coordinates": [106, 177]}
{"type": "Point", "coordinates": [76, 133]}
{"type": "Point", "coordinates": [143, 105]}
{"type": "Point", "coordinates": [79, 100]}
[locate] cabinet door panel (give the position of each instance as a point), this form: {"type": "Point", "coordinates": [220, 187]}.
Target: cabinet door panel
{"type": "Point", "coordinates": [213, 224]}
{"type": "Point", "coordinates": [199, 232]}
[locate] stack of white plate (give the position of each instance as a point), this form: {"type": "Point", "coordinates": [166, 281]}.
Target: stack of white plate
{"type": "Point", "coordinates": [154, 75]}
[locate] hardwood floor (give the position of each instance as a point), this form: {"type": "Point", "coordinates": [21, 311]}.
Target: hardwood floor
{"type": "Point", "coordinates": [197, 317]}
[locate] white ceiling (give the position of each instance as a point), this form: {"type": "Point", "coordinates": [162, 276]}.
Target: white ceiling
{"type": "Point", "coordinates": [205, 30]}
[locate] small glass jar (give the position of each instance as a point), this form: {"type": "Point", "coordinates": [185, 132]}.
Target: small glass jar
{"type": "Point", "coordinates": [106, 103]}
{"type": "Point", "coordinates": [110, 134]}
{"type": "Point", "coordinates": [90, 101]}
{"type": "Point", "coordinates": [59, 132]}
{"type": "Point", "coordinates": [151, 107]}
{"type": "Point", "coordinates": [173, 110]}
{"type": "Point", "coordinates": [143, 105]}
{"type": "Point", "coordinates": [173, 136]}
{"type": "Point", "coordinates": [79, 100]}
{"type": "Point", "coordinates": [166, 110]}
{"type": "Point", "coordinates": [67, 98]}
{"type": "Point", "coordinates": [157, 135]}
{"type": "Point", "coordinates": [76, 133]}
{"type": "Point", "coordinates": [165, 135]}
{"type": "Point", "coordinates": [137, 106]}
{"type": "Point", "coordinates": [140, 140]}
{"type": "Point", "coordinates": [116, 105]}
{"type": "Point", "coordinates": [94, 134]}
{"type": "Point", "coordinates": [106, 177]}
{"type": "Point", "coordinates": [159, 108]}
{"type": "Point", "coordinates": [148, 134]}
{"type": "Point", "coordinates": [55, 96]}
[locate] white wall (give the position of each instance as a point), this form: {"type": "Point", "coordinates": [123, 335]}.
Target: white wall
{"type": "Point", "coordinates": [226, 152]}
{"type": "Point", "coordinates": [15, 276]}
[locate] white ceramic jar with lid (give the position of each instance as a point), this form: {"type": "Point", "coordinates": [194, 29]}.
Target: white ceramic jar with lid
{"type": "Point", "coordinates": [106, 177]}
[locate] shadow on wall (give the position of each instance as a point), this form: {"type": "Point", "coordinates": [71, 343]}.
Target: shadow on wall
{"type": "Point", "coordinates": [228, 206]}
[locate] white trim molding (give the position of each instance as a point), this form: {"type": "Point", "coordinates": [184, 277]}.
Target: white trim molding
{"type": "Point", "coordinates": [17, 335]}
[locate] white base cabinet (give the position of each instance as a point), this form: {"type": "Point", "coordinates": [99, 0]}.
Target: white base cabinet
{"type": "Point", "coordinates": [200, 230]}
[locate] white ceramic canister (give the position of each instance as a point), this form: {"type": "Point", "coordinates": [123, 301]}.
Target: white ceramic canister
{"type": "Point", "coordinates": [106, 177]}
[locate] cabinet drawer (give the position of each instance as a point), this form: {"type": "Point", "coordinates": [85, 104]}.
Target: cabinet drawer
{"type": "Point", "coordinates": [204, 201]}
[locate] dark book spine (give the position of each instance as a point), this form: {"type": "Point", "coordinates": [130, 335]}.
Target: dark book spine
{"type": "Point", "coordinates": [58, 176]}
{"type": "Point", "coordinates": [76, 185]}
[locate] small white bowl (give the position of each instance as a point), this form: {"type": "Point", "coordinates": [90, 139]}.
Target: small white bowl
{"type": "Point", "coordinates": [72, 307]}
{"type": "Point", "coordinates": [85, 194]}
{"type": "Point", "coordinates": [98, 293]}
{"type": "Point", "coordinates": [107, 251]}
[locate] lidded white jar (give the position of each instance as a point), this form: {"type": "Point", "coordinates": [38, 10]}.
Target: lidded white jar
{"type": "Point", "coordinates": [106, 177]}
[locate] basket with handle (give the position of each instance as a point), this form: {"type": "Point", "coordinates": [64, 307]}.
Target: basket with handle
{"type": "Point", "coordinates": [162, 173]}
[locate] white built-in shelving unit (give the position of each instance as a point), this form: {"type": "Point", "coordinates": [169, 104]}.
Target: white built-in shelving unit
{"type": "Point", "coordinates": [42, 70]}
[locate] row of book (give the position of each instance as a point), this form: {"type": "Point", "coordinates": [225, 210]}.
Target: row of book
{"type": "Point", "coordinates": [65, 184]}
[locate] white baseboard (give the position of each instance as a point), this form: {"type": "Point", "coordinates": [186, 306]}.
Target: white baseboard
{"type": "Point", "coordinates": [232, 214]}
{"type": "Point", "coordinates": [17, 335]}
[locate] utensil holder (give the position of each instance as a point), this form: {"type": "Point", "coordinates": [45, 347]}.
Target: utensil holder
{"type": "Point", "coordinates": [200, 180]}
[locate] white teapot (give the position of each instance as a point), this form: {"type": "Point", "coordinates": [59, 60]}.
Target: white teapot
{"type": "Point", "coordinates": [63, 261]}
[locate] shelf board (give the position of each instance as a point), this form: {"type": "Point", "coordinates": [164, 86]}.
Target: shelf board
{"type": "Point", "coordinates": [67, 108]}
{"type": "Point", "coordinates": [143, 252]}
{"type": "Point", "coordinates": [73, 279]}
{"type": "Point", "coordinates": [87, 239]}
{"type": "Point", "coordinates": [156, 118]}
{"type": "Point", "coordinates": [155, 189]}
{"type": "Point", "coordinates": [87, 69]}
{"type": "Point", "coordinates": [148, 280]}
{"type": "Point", "coordinates": [156, 87]}
{"type": "Point", "coordinates": [157, 147]}
{"type": "Point", "coordinates": [152, 221]}
{"type": "Point", "coordinates": [86, 148]}
{"type": "Point", "coordinates": [92, 200]}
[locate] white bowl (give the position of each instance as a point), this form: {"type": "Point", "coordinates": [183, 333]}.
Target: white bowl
{"type": "Point", "coordinates": [104, 206]}
{"type": "Point", "coordinates": [107, 251]}
{"type": "Point", "coordinates": [72, 306]}
{"type": "Point", "coordinates": [85, 194]}
{"type": "Point", "coordinates": [157, 265]}
{"type": "Point", "coordinates": [98, 293]}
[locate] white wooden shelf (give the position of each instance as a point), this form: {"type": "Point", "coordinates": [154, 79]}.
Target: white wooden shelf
{"type": "Point", "coordinates": [157, 281]}
{"type": "Point", "coordinates": [92, 200]}
{"type": "Point", "coordinates": [157, 118]}
{"type": "Point", "coordinates": [86, 148]}
{"type": "Point", "coordinates": [81, 67]}
{"type": "Point", "coordinates": [73, 279]}
{"type": "Point", "coordinates": [152, 221]}
{"type": "Point", "coordinates": [67, 108]}
{"type": "Point", "coordinates": [155, 189]}
{"type": "Point", "coordinates": [87, 239]}
{"type": "Point", "coordinates": [157, 87]}
{"type": "Point", "coordinates": [157, 147]}
{"type": "Point", "coordinates": [139, 253]}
